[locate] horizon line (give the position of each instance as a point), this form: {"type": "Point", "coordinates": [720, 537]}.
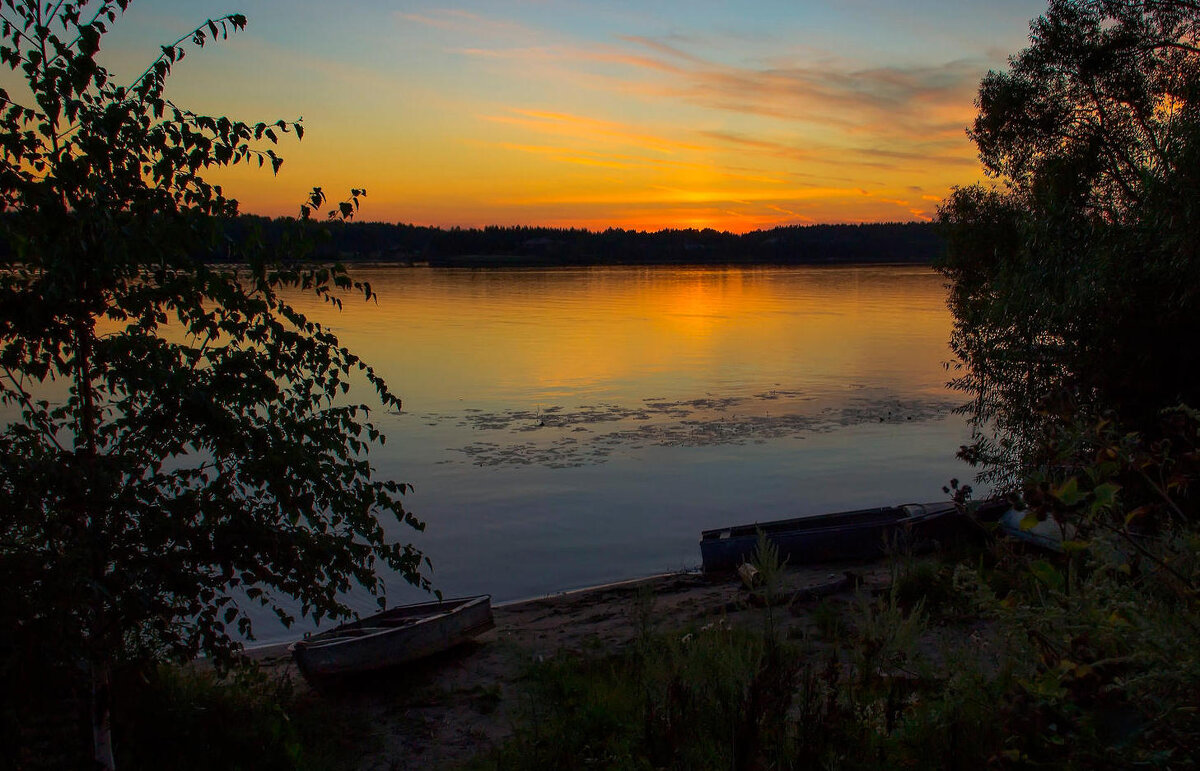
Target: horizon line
{"type": "Point", "coordinates": [583, 229]}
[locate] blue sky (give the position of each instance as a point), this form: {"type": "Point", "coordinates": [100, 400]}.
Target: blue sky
{"type": "Point", "coordinates": [645, 115]}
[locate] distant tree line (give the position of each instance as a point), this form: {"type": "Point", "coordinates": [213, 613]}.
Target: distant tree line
{"type": "Point", "coordinates": [908, 242]}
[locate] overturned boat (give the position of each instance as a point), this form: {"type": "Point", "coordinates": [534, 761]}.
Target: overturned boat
{"type": "Point", "coordinates": [843, 535]}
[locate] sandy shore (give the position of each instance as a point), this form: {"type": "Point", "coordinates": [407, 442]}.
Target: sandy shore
{"type": "Point", "coordinates": [443, 710]}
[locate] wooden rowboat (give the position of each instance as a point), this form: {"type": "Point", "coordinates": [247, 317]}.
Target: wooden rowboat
{"type": "Point", "coordinates": [395, 636]}
{"type": "Point", "coordinates": [859, 534]}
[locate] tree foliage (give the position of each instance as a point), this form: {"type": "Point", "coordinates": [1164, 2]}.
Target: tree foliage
{"type": "Point", "coordinates": [180, 443]}
{"type": "Point", "coordinates": [1076, 276]}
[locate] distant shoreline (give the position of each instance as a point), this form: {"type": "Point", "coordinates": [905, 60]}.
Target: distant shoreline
{"type": "Point", "coordinates": [904, 243]}
{"type": "Point", "coordinates": [502, 262]}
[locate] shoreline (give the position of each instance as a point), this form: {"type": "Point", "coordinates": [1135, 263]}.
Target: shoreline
{"type": "Point", "coordinates": [268, 651]}
{"type": "Point", "coordinates": [624, 582]}
{"type": "Point", "coordinates": [445, 709]}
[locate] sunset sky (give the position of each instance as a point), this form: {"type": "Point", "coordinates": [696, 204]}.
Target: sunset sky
{"type": "Point", "coordinates": [640, 115]}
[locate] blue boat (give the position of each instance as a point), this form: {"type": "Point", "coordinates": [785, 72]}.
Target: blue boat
{"type": "Point", "coordinates": [844, 535]}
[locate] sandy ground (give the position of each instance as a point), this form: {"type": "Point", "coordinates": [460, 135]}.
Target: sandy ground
{"type": "Point", "coordinates": [441, 711]}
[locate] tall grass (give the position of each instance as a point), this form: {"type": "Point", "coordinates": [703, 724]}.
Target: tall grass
{"type": "Point", "coordinates": [986, 662]}
{"type": "Point", "coordinates": [715, 696]}
{"type": "Point", "coordinates": [190, 718]}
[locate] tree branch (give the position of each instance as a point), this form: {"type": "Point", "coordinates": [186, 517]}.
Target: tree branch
{"type": "Point", "coordinates": [27, 402]}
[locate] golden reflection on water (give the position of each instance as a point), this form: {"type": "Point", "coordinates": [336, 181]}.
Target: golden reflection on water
{"type": "Point", "coordinates": [569, 427]}
{"type": "Point", "coordinates": [625, 334]}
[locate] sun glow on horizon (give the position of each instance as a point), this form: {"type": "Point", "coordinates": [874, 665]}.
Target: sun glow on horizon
{"type": "Point", "coordinates": [596, 116]}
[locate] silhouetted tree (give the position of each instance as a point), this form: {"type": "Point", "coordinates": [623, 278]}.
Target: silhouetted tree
{"type": "Point", "coordinates": [1076, 280]}
{"type": "Point", "coordinates": [181, 444]}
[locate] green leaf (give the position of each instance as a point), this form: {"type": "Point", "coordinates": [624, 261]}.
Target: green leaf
{"type": "Point", "coordinates": [1048, 574]}
{"type": "Point", "coordinates": [1104, 496]}
{"type": "Point", "coordinates": [1068, 492]}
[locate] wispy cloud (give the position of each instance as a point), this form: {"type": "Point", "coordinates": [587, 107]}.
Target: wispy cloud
{"type": "Point", "coordinates": [810, 153]}
{"type": "Point", "coordinates": [763, 133]}
{"type": "Point", "coordinates": [460, 21]}
{"type": "Point", "coordinates": [898, 103]}
{"type": "Point", "coordinates": [918, 101]}
{"type": "Point", "coordinates": [665, 48]}
{"type": "Point", "coordinates": [588, 157]}
{"type": "Point", "coordinates": [583, 127]}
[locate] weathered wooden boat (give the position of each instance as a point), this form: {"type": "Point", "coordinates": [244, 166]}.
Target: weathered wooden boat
{"type": "Point", "coordinates": [395, 636]}
{"type": "Point", "coordinates": [843, 535]}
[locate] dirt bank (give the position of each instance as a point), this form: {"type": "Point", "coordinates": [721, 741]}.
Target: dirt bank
{"type": "Point", "coordinates": [443, 710]}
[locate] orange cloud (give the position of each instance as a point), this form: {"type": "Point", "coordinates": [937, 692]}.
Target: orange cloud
{"type": "Point", "coordinates": [474, 119]}
{"type": "Point", "coordinates": [581, 127]}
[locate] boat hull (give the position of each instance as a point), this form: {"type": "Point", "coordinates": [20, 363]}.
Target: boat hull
{"type": "Point", "coordinates": [394, 637]}
{"type": "Point", "coordinates": [1047, 534]}
{"type": "Point", "coordinates": [846, 535]}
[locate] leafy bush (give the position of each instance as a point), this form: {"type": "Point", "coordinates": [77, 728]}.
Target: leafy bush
{"type": "Point", "coordinates": [1113, 622]}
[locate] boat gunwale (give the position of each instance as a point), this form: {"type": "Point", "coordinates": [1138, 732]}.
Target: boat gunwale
{"type": "Point", "coordinates": [338, 636]}
{"type": "Point", "coordinates": [882, 515]}
{"type": "Point", "coordinates": [722, 548]}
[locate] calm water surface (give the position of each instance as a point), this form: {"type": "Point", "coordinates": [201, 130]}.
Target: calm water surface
{"type": "Point", "coordinates": [574, 426]}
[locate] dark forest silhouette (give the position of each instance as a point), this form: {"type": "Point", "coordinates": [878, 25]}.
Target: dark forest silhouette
{"type": "Point", "coordinates": [912, 242]}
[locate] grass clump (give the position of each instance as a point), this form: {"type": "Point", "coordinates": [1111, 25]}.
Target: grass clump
{"type": "Point", "coordinates": [697, 698]}
{"type": "Point", "coordinates": [192, 718]}
{"type": "Point", "coordinates": [718, 696]}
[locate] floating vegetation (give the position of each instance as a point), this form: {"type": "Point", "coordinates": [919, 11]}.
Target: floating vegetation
{"type": "Point", "coordinates": [560, 437]}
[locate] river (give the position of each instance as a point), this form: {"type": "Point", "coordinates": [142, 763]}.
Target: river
{"type": "Point", "coordinates": [568, 427]}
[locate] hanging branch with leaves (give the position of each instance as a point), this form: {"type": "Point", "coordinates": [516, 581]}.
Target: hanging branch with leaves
{"type": "Point", "coordinates": [184, 444]}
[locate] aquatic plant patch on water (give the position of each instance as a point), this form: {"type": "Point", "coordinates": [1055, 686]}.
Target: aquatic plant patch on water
{"type": "Point", "coordinates": [557, 437]}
